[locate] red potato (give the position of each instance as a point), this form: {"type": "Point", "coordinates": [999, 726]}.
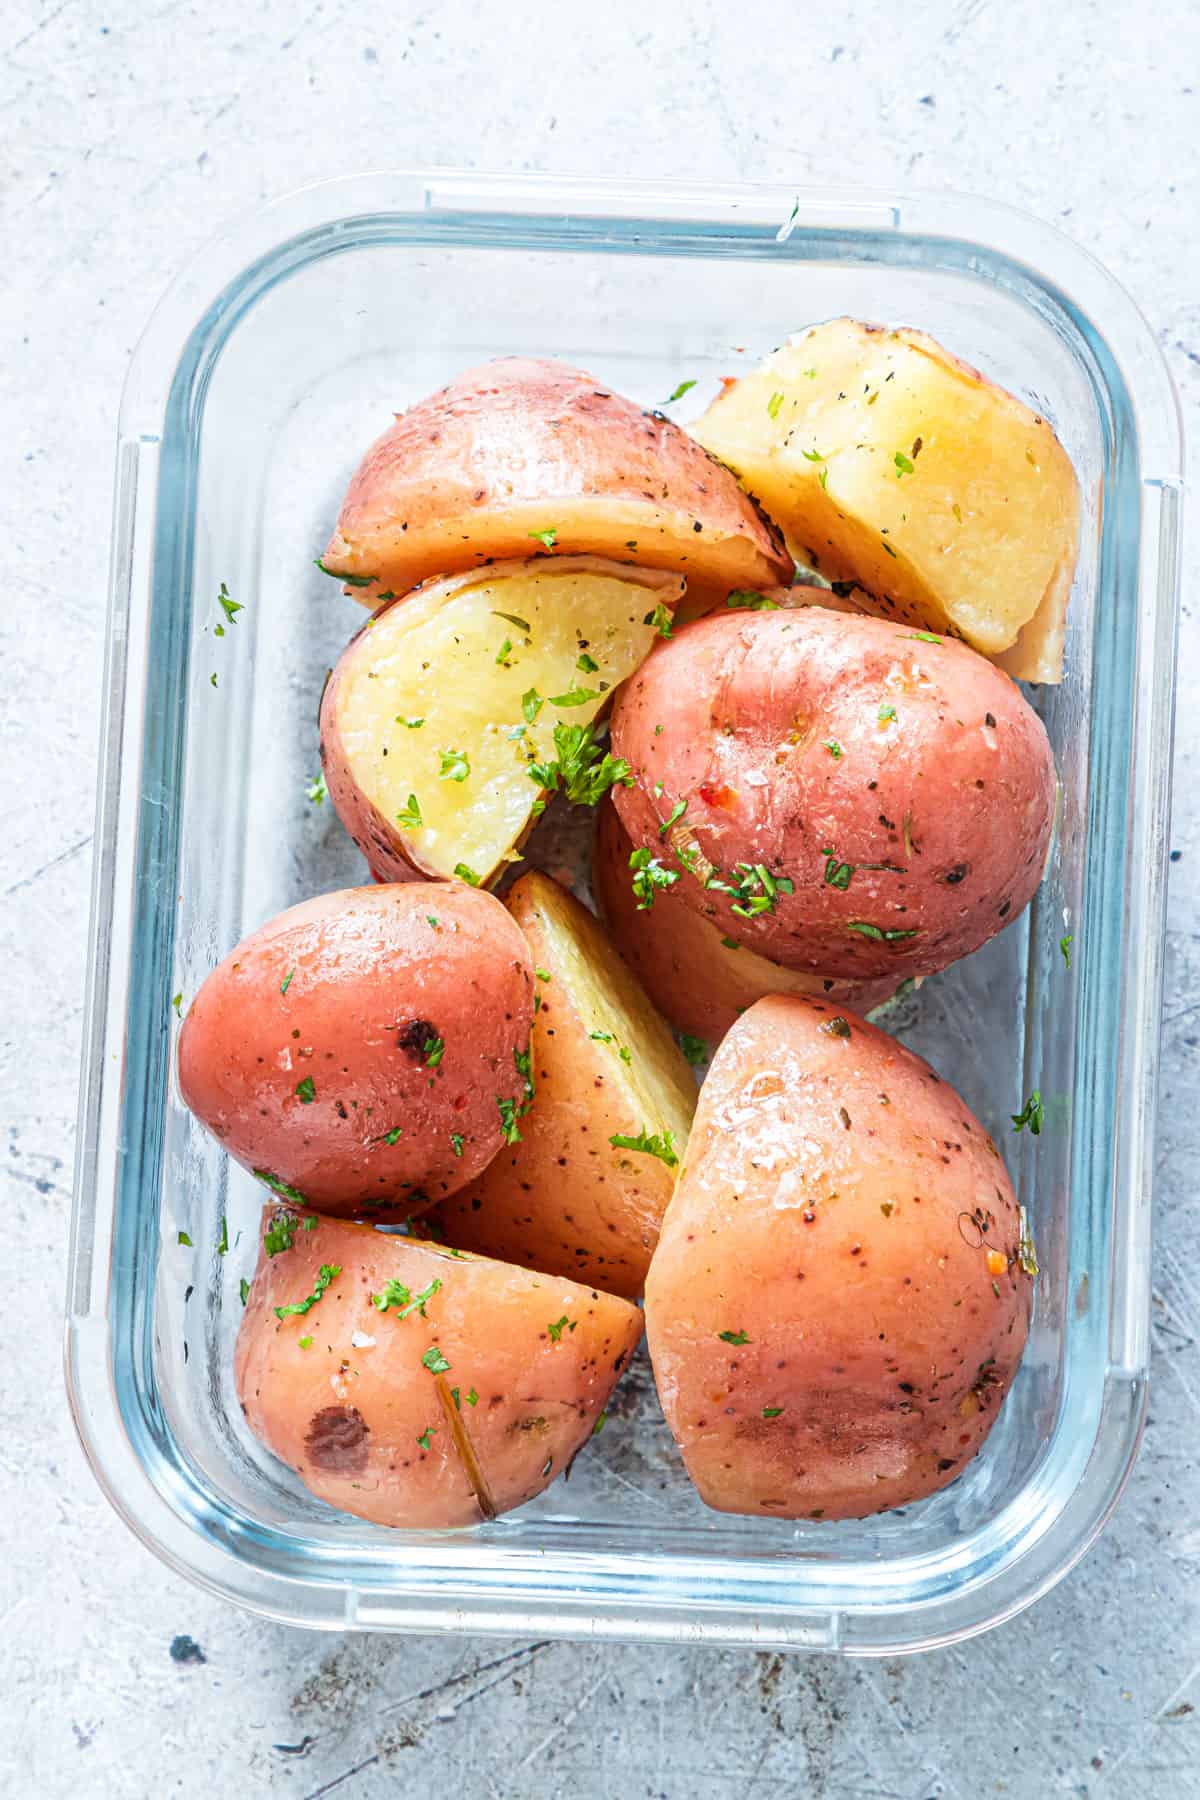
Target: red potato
{"type": "Point", "coordinates": [417, 1386]}
{"type": "Point", "coordinates": [695, 979]}
{"type": "Point", "coordinates": [521, 447]}
{"type": "Point", "coordinates": [841, 1292]}
{"type": "Point", "coordinates": [842, 795]}
{"type": "Point", "coordinates": [367, 1049]}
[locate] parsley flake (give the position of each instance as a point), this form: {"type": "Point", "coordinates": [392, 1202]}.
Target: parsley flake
{"type": "Point", "coordinates": [660, 618]}
{"type": "Point", "coordinates": [410, 815]}
{"type": "Point", "coordinates": [547, 539]}
{"type": "Point", "coordinates": [1064, 944]}
{"type": "Point", "coordinates": [316, 791]}
{"type": "Point", "coordinates": [455, 765]}
{"type": "Point", "coordinates": [1033, 1114]}
{"type": "Point", "coordinates": [328, 1272]}
{"type": "Point", "coordinates": [660, 1145]}
{"type": "Point", "coordinates": [695, 1049]}
{"type": "Point", "coordinates": [746, 600]}
{"type": "Point", "coordinates": [685, 387]}
{"type": "Point", "coordinates": [649, 876]}
{"type": "Point", "coordinates": [466, 874]}
{"type": "Point", "coordinates": [306, 1093]}
{"type": "Point", "coordinates": [733, 1337]}
{"type": "Point", "coordinates": [434, 1361]}
{"type": "Point", "coordinates": [229, 607]}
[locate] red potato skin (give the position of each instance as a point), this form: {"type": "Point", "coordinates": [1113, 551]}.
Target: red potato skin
{"type": "Point", "coordinates": [370, 982]}
{"type": "Point", "coordinates": [886, 1340]}
{"type": "Point", "coordinates": [347, 1416]}
{"type": "Point", "coordinates": [954, 796]}
{"type": "Point", "coordinates": [694, 980]}
{"type": "Point", "coordinates": [516, 436]}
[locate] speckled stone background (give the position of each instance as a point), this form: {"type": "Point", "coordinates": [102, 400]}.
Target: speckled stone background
{"type": "Point", "coordinates": [129, 130]}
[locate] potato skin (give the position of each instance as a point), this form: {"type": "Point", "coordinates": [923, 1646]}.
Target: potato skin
{"type": "Point", "coordinates": [564, 1199]}
{"type": "Point", "coordinates": [370, 985]}
{"type": "Point", "coordinates": [347, 1411]}
{"type": "Point", "coordinates": [940, 773]}
{"type": "Point", "coordinates": [523, 445]}
{"type": "Point", "coordinates": [840, 1206]}
{"type": "Point", "coordinates": [695, 980]}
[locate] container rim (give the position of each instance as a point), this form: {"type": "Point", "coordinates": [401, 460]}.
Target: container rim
{"type": "Point", "coordinates": [479, 1590]}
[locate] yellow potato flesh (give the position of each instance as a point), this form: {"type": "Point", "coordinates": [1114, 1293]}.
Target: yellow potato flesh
{"type": "Point", "coordinates": [462, 661]}
{"type": "Point", "coordinates": [890, 463]}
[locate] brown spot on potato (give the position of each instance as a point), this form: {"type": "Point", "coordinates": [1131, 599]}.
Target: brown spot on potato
{"type": "Point", "coordinates": [337, 1440]}
{"type": "Point", "coordinates": [415, 1038]}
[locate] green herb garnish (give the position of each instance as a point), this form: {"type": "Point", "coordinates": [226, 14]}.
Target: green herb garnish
{"type": "Point", "coordinates": [427, 1436]}
{"type": "Point", "coordinates": [316, 791]}
{"type": "Point", "coordinates": [556, 1330]}
{"type": "Point", "coordinates": [574, 697]}
{"type": "Point", "coordinates": [649, 876]}
{"type": "Point", "coordinates": [904, 464]}
{"type": "Point", "coordinates": [306, 1093]}
{"type": "Point", "coordinates": [547, 539]}
{"type": "Point", "coordinates": [881, 934]}
{"type": "Point", "coordinates": [456, 1142]}
{"type": "Point", "coordinates": [405, 1302]}
{"type": "Point", "coordinates": [435, 1049]}
{"type": "Point", "coordinates": [357, 581]}
{"type": "Point", "coordinates": [244, 1289]}
{"type": "Point", "coordinates": [286, 983]}
{"type": "Point", "coordinates": [229, 607]}
{"type": "Point", "coordinates": [886, 713]}
{"type": "Point", "coordinates": [410, 815]}
{"type": "Point", "coordinates": [223, 1240]}
{"type": "Point", "coordinates": [581, 769]}
{"type": "Point", "coordinates": [676, 812]}
{"type": "Point", "coordinates": [695, 1049]}
{"type": "Point", "coordinates": [923, 637]}
{"type": "Point", "coordinates": [837, 874]}
{"type": "Point", "coordinates": [746, 600]}
{"type": "Point", "coordinates": [279, 1187]}
{"type": "Point", "coordinates": [434, 1361]}
{"type": "Point", "coordinates": [771, 1412]}
{"type": "Point", "coordinates": [1064, 944]}
{"type": "Point", "coordinates": [177, 1003]}
{"type": "Point", "coordinates": [834, 749]}
{"type": "Point", "coordinates": [503, 653]}
{"type": "Point", "coordinates": [328, 1272]}
{"type": "Point", "coordinates": [660, 1145]}
{"type": "Point", "coordinates": [185, 1240]}
{"type": "Point", "coordinates": [455, 765]}
{"type": "Point", "coordinates": [774, 404]}
{"type": "Point", "coordinates": [409, 724]}
{"type": "Point", "coordinates": [685, 387]}
{"type": "Point", "coordinates": [1033, 1114]}
{"type": "Point", "coordinates": [466, 874]}
{"type": "Point", "coordinates": [733, 1337]}
{"type": "Point", "coordinates": [587, 664]}
{"type": "Point", "coordinates": [531, 705]}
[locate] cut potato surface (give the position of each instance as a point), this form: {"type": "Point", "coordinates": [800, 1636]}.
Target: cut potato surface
{"type": "Point", "coordinates": [443, 709]}
{"type": "Point", "coordinates": [890, 463]}
{"type": "Point", "coordinates": [565, 1198]}
{"type": "Point", "coordinates": [417, 1386]}
{"type": "Point", "coordinates": [525, 448]}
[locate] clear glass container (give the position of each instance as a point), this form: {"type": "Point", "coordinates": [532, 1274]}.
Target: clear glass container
{"type": "Point", "coordinates": [269, 366]}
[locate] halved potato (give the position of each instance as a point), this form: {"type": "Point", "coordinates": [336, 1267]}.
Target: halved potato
{"type": "Point", "coordinates": [696, 977]}
{"type": "Point", "coordinates": [890, 463]}
{"type": "Point", "coordinates": [566, 1198]}
{"type": "Point", "coordinates": [442, 716]}
{"type": "Point", "coordinates": [418, 1386]}
{"type": "Point", "coordinates": [524, 448]}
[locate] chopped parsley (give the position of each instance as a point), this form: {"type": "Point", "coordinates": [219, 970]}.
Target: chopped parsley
{"type": "Point", "coordinates": [409, 724]}
{"type": "Point", "coordinates": [286, 983]}
{"type": "Point", "coordinates": [754, 889]}
{"type": "Point", "coordinates": [662, 1146]}
{"type": "Point", "coordinates": [923, 637]}
{"type": "Point", "coordinates": [574, 697]}
{"type": "Point", "coordinates": [306, 1093]}
{"type": "Point", "coordinates": [542, 974]}
{"type": "Point", "coordinates": [887, 713]}
{"type": "Point", "coordinates": [280, 1187]}
{"type": "Point", "coordinates": [305, 1342]}
{"type": "Point", "coordinates": [774, 404]}
{"type": "Point", "coordinates": [880, 933]}
{"type": "Point", "coordinates": [685, 387]}
{"type": "Point", "coordinates": [660, 618]}
{"type": "Point", "coordinates": [244, 1289]}
{"type": "Point", "coordinates": [598, 1427]}
{"type": "Point", "coordinates": [466, 874]}
{"type": "Point", "coordinates": [455, 765]}
{"type": "Point", "coordinates": [503, 653]}
{"type": "Point", "coordinates": [394, 1135]}
{"type": "Point", "coordinates": [279, 1234]}
{"type": "Point", "coordinates": [328, 1272]}
{"type": "Point", "coordinates": [559, 1326]}
{"type": "Point", "coordinates": [456, 1142]}
{"type": "Point", "coordinates": [213, 678]}
{"type": "Point", "coordinates": [1026, 1253]}
{"type": "Point", "coordinates": [229, 607]}
{"type": "Point", "coordinates": [733, 1337]}
{"type": "Point", "coordinates": [435, 1049]}
{"type": "Point", "coordinates": [185, 1240]}
{"type": "Point", "coordinates": [547, 539]}
{"type": "Point", "coordinates": [581, 769]}
{"type": "Point", "coordinates": [405, 1302]}
{"type": "Point", "coordinates": [177, 1003]}
{"type": "Point", "coordinates": [509, 1114]}
{"type": "Point", "coordinates": [837, 874]}
{"type": "Point", "coordinates": [531, 705]}
{"type": "Point", "coordinates": [410, 815]}
{"type": "Point", "coordinates": [695, 1049]}
{"type": "Point", "coordinates": [771, 1412]}
{"type": "Point", "coordinates": [1033, 1114]}
{"type": "Point", "coordinates": [904, 464]}
{"type": "Point", "coordinates": [434, 1361]}
{"type": "Point", "coordinates": [514, 619]}
{"type": "Point", "coordinates": [358, 581]}
{"type": "Point", "coordinates": [676, 812]}
{"type": "Point", "coordinates": [1064, 944]}
{"type": "Point", "coordinates": [747, 600]}
{"type": "Point", "coordinates": [223, 1240]}
{"type": "Point", "coordinates": [814, 456]}
{"type": "Point", "coordinates": [427, 1436]}
{"type": "Point", "coordinates": [834, 748]}
{"type": "Point", "coordinates": [956, 509]}
{"type": "Point", "coordinates": [316, 791]}
{"type": "Point", "coordinates": [587, 664]}
{"type": "Point", "coordinates": [649, 875]}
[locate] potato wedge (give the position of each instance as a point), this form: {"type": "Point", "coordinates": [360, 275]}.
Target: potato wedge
{"type": "Point", "coordinates": [697, 978]}
{"type": "Point", "coordinates": [565, 1198]}
{"type": "Point", "coordinates": [441, 707]}
{"type": "Point", "coordinates": [366, 1051]}
{"type": "Point", "coordinates": [416, 1386]}
{"type": "Point", "coordinates": [523, 449]}
{"type": "Point", "coordinates": [891, 463]}
{"type": "Point", "coordinates": [841, 1292]}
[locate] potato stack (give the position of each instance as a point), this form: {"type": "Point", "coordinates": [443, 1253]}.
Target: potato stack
{"type": "Point", "coordinates": [806, 797]}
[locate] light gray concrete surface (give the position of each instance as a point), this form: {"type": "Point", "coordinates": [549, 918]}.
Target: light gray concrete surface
{"type": "Point", "coordinates": [129, 130]}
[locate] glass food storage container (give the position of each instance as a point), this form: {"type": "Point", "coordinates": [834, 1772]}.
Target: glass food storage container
{"type": "Point", "coordinates": [267, 369]}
